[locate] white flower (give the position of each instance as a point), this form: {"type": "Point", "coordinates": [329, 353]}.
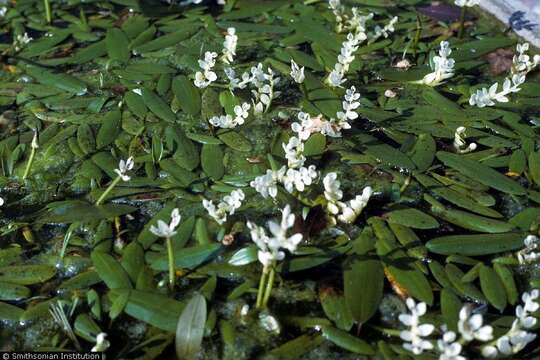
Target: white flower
{"type": "Point", "coordinates": [1, 201]}
{"type": "Point", "coordinates": [470, 327]}
{"type": "Point", "coordinates": [229, 46]}
{"type": "Point", "coordinates": [227, 206]}
{"type": "Point", "coordinates": [297, 73]}
{"type": "Point", "coordinates": [270, 247]}
{"type": "Point", "coordinates": [469, 3]}
{"type": "Point", "coordinates": [332, 192]}
{"type": "Point", "coordinates": [345, 58]}
{"type": "Point", "coordinates": [386, 30]}
{"type": "Point", "coordinates": [207, 76]}
{"type": "Point", "coordinates": [294, 152]}
{"type": "Point", "coordinates": [354, 207]}
{"type": "Point", "coordinates": [266, 184]}
{"type": "Point", "coordinates": [167, 230]}
{"type": "Point", "coordinates": [521, 61]}
{"type": "Point", "coordinates": [124, 167]}
{"type": "Point", "coordinates": [528, 254]}
{"type": "Point", "coordinates": [102, 344]}
{"type": "Point", "coordinates": [520, 67]}
{"type": "Point", "coordinates": [484, 97]}
{"type": "Point", "coordinates": [346, 212]}
{"type": "Point", "coordinates": [459, 143]}
{"type": "Point", "coordinates": [264, 84]}
{"type": "Point", "coordinates": [241, 113]}
{"type": "Point", "coordinates": [21, 40]}
{"type": "Point", "coordinates": [333, 126]}
{"type": "Point", "coordinates": [307, 125]}
{"type": "Point", "coordinates": [234, 82]}
{"type": "Point", "coordinates": [3, 11]}
{"type": "Point", "coordinates": [299, 178]}
{"type": "Point", "coordinates": [530, 305]}
{"type": "Point", "coordinates": [448, 347]}
{"type": "Point", "coordinates": [416, 332]}
{"type": "Point", "coordinates": [442, 66]}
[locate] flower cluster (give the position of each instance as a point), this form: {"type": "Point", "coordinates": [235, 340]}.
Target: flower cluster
{"type": "Point", "coordinates": [264, 83]}
{"type": "Point", "coordinates": [21, 40]}
{"type": "Point", "coordinates": [294, 152]}
{"type": "Point", "coordinates": [270, 247]}
{"type": "Point", "coordinates": [102, 344]}
{"type": "Point", "coordinates": [442, 66]}
{"type": "Point", "coordinates": [167, 230]}
{"type": "Point", "coordinates": [241, 113]}
{"type": "Point", "coordinates": [468, 3]}
{"type": "Point", "coordinates": [386, 30]}
{"type": "Point", "coordinates": [346, 56]}
{"type": "Point", "coordinates": [207, 75]}
{"type": "Point", "coordinates": [227, 206]}
{"type": "Point", "coordinates": [346, 212]}
{"type": "Point", "coordinates": [333, 127]}
{"type": "Point", "coordinates": [459, 143]}
{"type": "Point", "coordinates": [471, 328]}
{"type": "Point", "coordinates": [416, 332]}
{"type": "Point", "coordinates": [297, 73]}
{"type": "Point", "coordinates": [292, 179]}
{"type": "Point", "coordinates": [517, 337]}
{"type": "Point", "coordinates": [124, 167]}
{"type": "Point", "coordinates": [229, 46]}
{"type": "Point", "coordinates": [520, 67]}
{"type": "Point", "coordinates": [529, 254]}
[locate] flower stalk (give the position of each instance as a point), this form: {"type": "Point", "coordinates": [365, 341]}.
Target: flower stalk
{"type": "Point", "coordinates": [47, 6]}
{"type": "Point", "coordinates": [123, 168]}
{"type": "Point", "coordinates": [33, 147]}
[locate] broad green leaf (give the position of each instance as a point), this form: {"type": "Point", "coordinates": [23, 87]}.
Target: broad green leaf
{"type": "Point", "coordinates": [110, 271]}
{"type": "Point", "coordinates": [212, 161]}
{"type": "Point", "coordinates": [412, 218]}
{"type": "Point", "coordinates": [27, 274]}
{"type": "Point", "coordinates": [117, 45]}
{"type": "Point", "coordinates": [187, 94]}
{"type": "Point", "coordinates": [363, 281]}
{"type": "Point", "coordinates": [347, 341]}
{"type": "Point", "coordinates": [492, 287]}
{"type": "Point", "coordinates": [482, 173]}
{"type": "Point", "coordinates": [475, 245]}
{"type": "Point", "coordinates": [190, 328]}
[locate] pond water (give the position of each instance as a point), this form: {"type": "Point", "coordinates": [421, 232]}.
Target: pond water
{"type": "Point", "coordinates": [523, 16]}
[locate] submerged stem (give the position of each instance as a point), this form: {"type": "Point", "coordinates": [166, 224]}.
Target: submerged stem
{"type": "Point", "coordinates": [462, 22]}
{"type": "Point", "coordinates": [47, 6]}
{"type": "Point", "coordinates": [107, 191]}
{"type": "Point", "coordinates": [170, 255]}
{"type": "Point", "coordinates": [29, 163]}
{"type": "Point", "coordinates": [262, 282]}
{"type": "Point", "coordinates": [269, 286]}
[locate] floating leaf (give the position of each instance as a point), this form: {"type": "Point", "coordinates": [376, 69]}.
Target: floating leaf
{"type": "Point", "coordinates": [190, 329]}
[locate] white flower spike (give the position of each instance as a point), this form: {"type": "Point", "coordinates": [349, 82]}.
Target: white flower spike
{"type": "Point", "coordinates": [124, 167]}
{"type": "Point", "coordinates": [167, 230]}
{"type": "Point", "coordinates": [529, 254]}
{"type": "Point", "coordinates": [442, 66]}
{"type": "Point", "coordinates": [297, 73]}
{"type": "Point", "coordinates": [449, 348]}
{"type": "Point", "coordinates": [459, 142]}
{"type": "Point", "coordinates": [470, 326]}
{"type": "Point", "coordinates": [102, 344]}
{"type": "Point", "coordinates": [207, 76]}
{"type": "Point", "coordinates": [416, 332]}
{"type": "Point", "coordinates": [229, 46]}
{"type": "Point", "coordinates": [227, 206]}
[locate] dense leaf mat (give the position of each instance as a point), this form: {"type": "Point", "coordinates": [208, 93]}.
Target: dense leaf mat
{"type": "Point", "coordinates": [109, 80]}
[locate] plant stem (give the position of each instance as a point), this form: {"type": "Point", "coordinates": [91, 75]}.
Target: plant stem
{"type": "Point", "coordinates": [171, 262]}
{"type": "Point", "coordinates": [269, 286]}
{"type": "Point", "coordinates": [417, 35]}
{"type": "Point", "coordinates": [29, 163]}
{"type": "Point", "coordinates": [47, 6]}
{"type": "Point", "coordinates": [261, 288]}
{"type": "Point", "coordinates": [107, 191]}
{"type": "Point", "coordinates": [462, 22]}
